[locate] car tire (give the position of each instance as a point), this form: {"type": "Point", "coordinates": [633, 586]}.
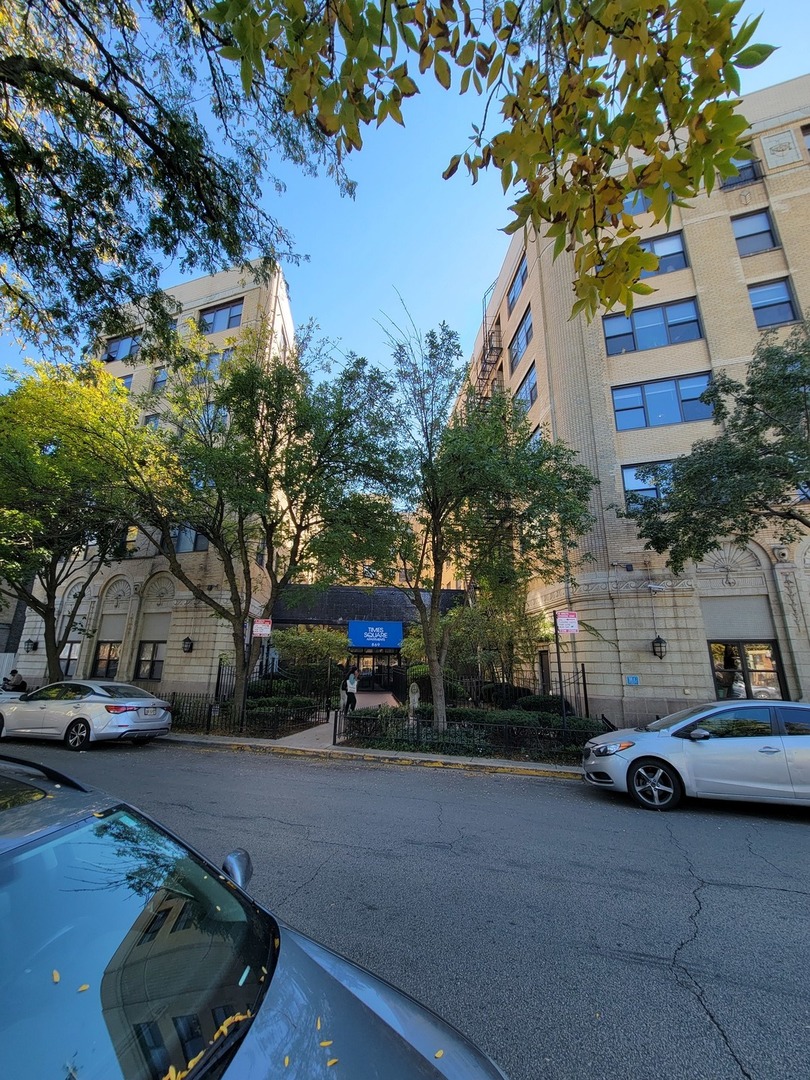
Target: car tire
{"type": "Point", "coordinates": [77, 736]}
{"type": "Point", "coordinates": [654, 784]}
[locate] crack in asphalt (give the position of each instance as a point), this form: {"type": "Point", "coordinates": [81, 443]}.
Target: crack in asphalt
{"type": "Point", "coordinates": [767, 862]}
{"type": "Point", "coordinates": [683, 975]}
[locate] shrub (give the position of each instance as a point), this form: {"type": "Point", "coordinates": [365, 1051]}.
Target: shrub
{"type": "Point", "coordinates": [548, 703]}
{"type": "Point", "coordinates": [279, 704]}
{"type": "Point", "coordinates": [502, 695]}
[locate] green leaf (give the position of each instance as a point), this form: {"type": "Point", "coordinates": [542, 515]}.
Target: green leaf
{"type": "Point", "coordinates": [441, 69]}
{"type": "Point", "coordinates": [452, 167]}
{"type": "Point", "coordinates": [754, 55]}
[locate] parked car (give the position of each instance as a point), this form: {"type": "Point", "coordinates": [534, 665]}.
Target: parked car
{"type": "Point", "coordinates": [133, 958]}
{"type": "Point", "coordinates": [724, 750]}
{"type": "Point", "coordinates": [82, 711]}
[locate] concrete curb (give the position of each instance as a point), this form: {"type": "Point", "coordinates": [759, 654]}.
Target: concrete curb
{"type": "Point", "coordinates": [381, 757]}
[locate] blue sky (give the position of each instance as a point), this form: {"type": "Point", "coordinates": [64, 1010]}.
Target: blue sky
{"type": "Point", "coordinates": [407, 233]}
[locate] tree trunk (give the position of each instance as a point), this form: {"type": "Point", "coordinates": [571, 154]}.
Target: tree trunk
{"type": "Point", "coordinates": [54, 661]}
{"type": "Point", "coordinates": [241, 665]}
{"type": "Point", "coordinates": [437, 687]}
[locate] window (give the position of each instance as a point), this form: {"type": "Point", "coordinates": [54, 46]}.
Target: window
{"type": "Point", "coordinates": [154, 926]}
{"type": "Point", "coordinates": [224, 317]}
{"type": "Point", "coordinates": [187, 539]}
{"type": "Point", "coordinates": [210, 366]}
{"type": "Point", "coordinates": [159, 380]}
{"type": "Point", "coordinates": [806, 136]}
{"type": "Point", "coordinates": [151, 656]}
{"type": "Point", "coordinates": [152, 1047]}
{"type": "Point", "coordinates": [636, 490]}
{"type": "Point", "coordinates": [748, 171]}
{"type": "Point", "coordinates": [518, 281]}
{"type": "Point", "coordinates": [520, 342]}
{"type": "Point", "coordinates": [670, 252]}
{"type": "Point", "coordinates": [121, 348]}
{"type": "Point", "coordinates": [152, 420]}
{"type": "Point", "coordinates": [105, 665]}
{"type": "Point", "coordinates": [668, 401]}
{"type": "Point", "coordinates": [652, 327]}
{"type": "Point", "coordinates": [190, 1035]}
{"type": "Point", "coordinates": [796, 721]}
{"type": "Point", "coordinates": [69, 659]}
{"type": "Point", "coordinates": [527, 391]}
{"type": "Point", "coordinates": [772, 303]}
{"type": "Point", "coordinates": [735, 723]}
{"type": "Point", "coordinates": [636, 202]}
{"type": "Point", "coordinates": [261, 552]}
{"type": "Point", "coordinates": [754, 232]}
{"type": "Point", "coordinates": [126, 380]}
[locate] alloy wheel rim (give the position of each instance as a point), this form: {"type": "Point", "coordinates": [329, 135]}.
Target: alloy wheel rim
{"type": "Point", "coordinates": [79, 735]}
{"type": "Point", "coordinates": [653, 786]}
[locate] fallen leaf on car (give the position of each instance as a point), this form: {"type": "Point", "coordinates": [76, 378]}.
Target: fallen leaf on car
{"type": "Point", "coordinates": [55, 976]}
{"type": "Point", "coordinates": [84, 986]}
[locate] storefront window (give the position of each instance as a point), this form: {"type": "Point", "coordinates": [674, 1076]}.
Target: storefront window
{"type": "Point", "coordinates": [744, 669]}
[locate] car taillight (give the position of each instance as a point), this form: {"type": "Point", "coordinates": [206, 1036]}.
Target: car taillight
{"type": "Point", "coordinates": [119, 708]}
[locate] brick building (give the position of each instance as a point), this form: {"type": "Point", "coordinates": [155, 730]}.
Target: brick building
{"type": "Point", "coordinates": [625, 391]}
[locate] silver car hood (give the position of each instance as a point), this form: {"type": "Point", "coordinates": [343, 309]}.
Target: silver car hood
{"type": "Point", "coordinates": [321, 1007]}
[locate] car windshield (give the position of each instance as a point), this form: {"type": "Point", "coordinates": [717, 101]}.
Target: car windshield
{"type": "Point", "coordinates": [122, 690]}
{"type": "Point", "coordinates": [674, 718]}
{"type": "Point", "coordinates": [122, 955]}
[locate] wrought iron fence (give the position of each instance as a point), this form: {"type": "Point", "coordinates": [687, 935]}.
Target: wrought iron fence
{"type": "Point", "coordinates": [470, 733]}
{"type": "Point", "coordinates": [205, 714]}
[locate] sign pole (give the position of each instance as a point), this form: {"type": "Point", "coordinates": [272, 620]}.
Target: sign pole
{"type": "Point", "coordinates": [559, 667]}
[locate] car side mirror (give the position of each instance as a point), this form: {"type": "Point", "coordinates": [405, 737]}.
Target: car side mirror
{"type": "Point", "coordinates": [239, 867]}
{"type": "Point", "coordinates": [699, 733]}
{"type": "Point", "coordinates": [23, 697]}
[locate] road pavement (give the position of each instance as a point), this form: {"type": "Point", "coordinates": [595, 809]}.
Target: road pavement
{"type": "Point", "coordinates": [568, 932]}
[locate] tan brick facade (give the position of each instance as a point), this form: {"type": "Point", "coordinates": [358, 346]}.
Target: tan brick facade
{"type": "Point", "coordinates": [137, 600]}
{"type": "Point", "coordinates": [754, 603]}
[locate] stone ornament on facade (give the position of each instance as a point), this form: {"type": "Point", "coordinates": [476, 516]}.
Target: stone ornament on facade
{"type": "Point", "coordinates": [117, 592]}
{"type": "Point", "coordinates": [732, 561]}
{"type": "Point", "coordinates": [159, 591]}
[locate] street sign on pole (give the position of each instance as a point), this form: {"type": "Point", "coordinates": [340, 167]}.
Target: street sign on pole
{"type": "Point", "coordinates": [567, 622]}
{"type": "Point", "coordinates": [262, 627]}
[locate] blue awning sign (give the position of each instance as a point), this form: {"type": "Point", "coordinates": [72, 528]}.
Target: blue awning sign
{"type": "Point", "coordinates": [375, 635]}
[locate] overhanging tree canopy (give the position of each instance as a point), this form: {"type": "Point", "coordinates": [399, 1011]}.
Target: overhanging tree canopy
{"type": "Point", "coordinates": [127, 138]}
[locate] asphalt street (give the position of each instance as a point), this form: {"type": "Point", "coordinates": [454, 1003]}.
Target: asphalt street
{"type": "Point", "coordinates": [567, 932]}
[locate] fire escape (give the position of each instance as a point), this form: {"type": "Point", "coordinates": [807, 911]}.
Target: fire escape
{"type": "Point", "coordinates": [491, 350]}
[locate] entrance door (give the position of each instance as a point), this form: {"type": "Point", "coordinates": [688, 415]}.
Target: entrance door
{"type": "Point", "coordinates": [747, 669]}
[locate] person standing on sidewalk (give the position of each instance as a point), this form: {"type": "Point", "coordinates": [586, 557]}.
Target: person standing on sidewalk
{"type": "Point", "coordinates": [351, 689]}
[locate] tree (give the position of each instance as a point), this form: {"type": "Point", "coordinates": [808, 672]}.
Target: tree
{"type": "Point", "coordinates": [58, 497]}
{"type": "Point", "coordinates": [486, 500]}
{"type": "Point", "coordinates": [284, 477]}
{"type": "Point", "coordinates": [108, 169]}
{"type": "Point", "coordinates": [754, 475]}
{"type": "Point", "coordinates": [495, 637]}
{"type": "Point", "coordinates": [581, 87]}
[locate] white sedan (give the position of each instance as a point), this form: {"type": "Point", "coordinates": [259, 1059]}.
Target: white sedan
{"type": "Point", "coordinates": [83, 711]}
{"type": "Point", "coordinates": [753, 750]}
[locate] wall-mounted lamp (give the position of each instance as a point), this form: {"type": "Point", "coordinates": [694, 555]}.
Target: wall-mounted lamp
{"type": "Point", "coordinates": [188, 644]}
{"type": "Point", "coordinates": [31, 646]}
{"type": "Point", "coordinates": [659, 647]}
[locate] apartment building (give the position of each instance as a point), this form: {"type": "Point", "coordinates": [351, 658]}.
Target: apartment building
{"type": "Point", "coordinates": [624, 391]}
{"type": "Point", "coordinates": [137, 621]}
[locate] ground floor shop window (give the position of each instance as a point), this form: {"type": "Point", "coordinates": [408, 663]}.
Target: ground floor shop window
{"type": "Point", "coordinates": [747, 669]}
{"type": "Point", "coordinates": [105, 665]}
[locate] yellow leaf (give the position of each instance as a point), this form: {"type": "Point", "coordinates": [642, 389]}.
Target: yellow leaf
{"type": "Point", "coordinates": [331, 1062]}
{"type": "Point", "coordinates": [318, 1023]}
{"type": "Point", "coordinates": [286, 1061]}
{"type": "Point", "coordinates": [327, 1042]}
{"type": "Point", "coordinates": [83, 987]}
{"type": "Point", "coordinates": [55, 976]}
{"type": "Point", "coordinates": [439, 1054]}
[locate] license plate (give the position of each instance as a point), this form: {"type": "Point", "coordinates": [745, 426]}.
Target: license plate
{"type": "Point", "coordinates": [150, 712]}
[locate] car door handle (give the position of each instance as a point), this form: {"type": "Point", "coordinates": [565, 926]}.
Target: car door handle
{"type": "Point", "coordinates": [769, 750]}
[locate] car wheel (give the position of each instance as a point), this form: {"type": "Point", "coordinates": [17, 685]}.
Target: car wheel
{"type": "Point", "coordinates": [654, 785]}
{"type": "Point", "coordinates": [77, 735]}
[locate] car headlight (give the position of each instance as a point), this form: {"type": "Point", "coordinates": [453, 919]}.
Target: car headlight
{"type": "Point", "coordinates": [606, 749]}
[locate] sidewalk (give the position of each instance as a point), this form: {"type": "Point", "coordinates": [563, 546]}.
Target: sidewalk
{"type": "Point", "coordinates": [317, 742]}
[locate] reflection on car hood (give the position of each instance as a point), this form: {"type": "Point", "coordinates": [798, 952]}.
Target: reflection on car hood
{"type": "Point", "coordinates": [628, 734]}
{"type": "Point", "coordinates": [321, 1008]}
